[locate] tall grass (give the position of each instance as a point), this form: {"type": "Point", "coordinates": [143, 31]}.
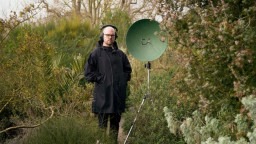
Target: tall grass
{"type": "Point", "coordinates": [68, 130]}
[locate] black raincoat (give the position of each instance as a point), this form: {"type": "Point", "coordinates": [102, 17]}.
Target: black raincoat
{"type": "Point", "coordinates": [110, 70]}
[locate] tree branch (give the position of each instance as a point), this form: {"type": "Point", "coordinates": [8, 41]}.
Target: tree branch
{"type": "Point", "coordinates": [6, 104]}
{"type": "Point", "coordinates": [31, 126]}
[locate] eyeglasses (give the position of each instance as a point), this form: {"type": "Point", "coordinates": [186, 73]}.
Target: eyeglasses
{"type": "Point", "coordinates": [109, 35]}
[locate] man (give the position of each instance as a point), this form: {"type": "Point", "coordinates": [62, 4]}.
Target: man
{"type": "Point", "coordinates": [109, 69]}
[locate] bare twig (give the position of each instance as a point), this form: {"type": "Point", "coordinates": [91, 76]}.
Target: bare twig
{"type": "Point", "coordinates": [30, 126]}
{"type": "Point", "coordinates": [6, 104]}
{"type": "Point", "coordinates": [18, 23]}
{"type": "Point", "coordinates": [49, 10]}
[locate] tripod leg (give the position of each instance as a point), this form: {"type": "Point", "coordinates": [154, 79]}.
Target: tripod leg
{"type": "Point", "coordinates": [135, 119]}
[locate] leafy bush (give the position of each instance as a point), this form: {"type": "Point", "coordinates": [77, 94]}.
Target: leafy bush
{"type": "Point", "coordinates": [211, 130]}
{"type": "Point", "coordinates": [34, 78]}
{"type": "Point", "coordinates": [69, 36]}
{"type": "Point", "coordinates": [150, 126]}
{"type": "Point", "coordinates": [216, 40]}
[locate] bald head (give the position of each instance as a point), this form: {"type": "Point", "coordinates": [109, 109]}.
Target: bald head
{"type": "Point", "coordinates": [109, 28]}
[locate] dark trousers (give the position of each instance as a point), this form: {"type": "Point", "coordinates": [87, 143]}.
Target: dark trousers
{"type": "Point", "coordinates": [114, 122]}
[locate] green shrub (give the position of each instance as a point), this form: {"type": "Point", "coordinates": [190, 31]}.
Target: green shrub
{"type": "Point", "coordinates": [68, 130]}
{"type": "Point", "coordinates": [150, 126]}
{"type": "Point", "coordinates": [216, 43]}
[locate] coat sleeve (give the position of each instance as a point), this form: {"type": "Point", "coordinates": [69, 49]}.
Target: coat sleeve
{"type": "Point", "coordinates": [127, 68]}
{"type": "Point", "coordinates": [91, 69]}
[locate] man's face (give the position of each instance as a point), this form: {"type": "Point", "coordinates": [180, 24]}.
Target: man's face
{"type": "Point", "coordinates": [108, 36]}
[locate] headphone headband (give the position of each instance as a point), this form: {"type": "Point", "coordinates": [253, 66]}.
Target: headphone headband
{"type": "Point", "coordinates": [109, 25]}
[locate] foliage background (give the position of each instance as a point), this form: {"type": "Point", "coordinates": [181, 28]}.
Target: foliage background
{"type": "Point", "coordinates": [202, 89]}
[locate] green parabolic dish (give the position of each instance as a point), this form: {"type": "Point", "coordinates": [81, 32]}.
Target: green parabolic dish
{"type": "Point", "coordinates": [144, 42]}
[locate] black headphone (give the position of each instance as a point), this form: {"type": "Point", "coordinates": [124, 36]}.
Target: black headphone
{"type": "Point", "coordinates": [109, 25]}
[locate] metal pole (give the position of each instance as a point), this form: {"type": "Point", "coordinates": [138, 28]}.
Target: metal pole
{"type": "Point", "coordinates": [148, 66]}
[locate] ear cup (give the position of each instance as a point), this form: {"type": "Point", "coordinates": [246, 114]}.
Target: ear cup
{"type": "Point", "coordinates": [101, 37]}
{"type": "Point", "coordinates": [116, 36]}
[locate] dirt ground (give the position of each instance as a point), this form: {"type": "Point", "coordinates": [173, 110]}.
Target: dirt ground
{"type": "Point", "coordinates": [121, 135]}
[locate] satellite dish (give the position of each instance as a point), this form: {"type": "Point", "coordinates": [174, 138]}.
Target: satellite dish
{"type": "Point", "coordinates": [144, 41]}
